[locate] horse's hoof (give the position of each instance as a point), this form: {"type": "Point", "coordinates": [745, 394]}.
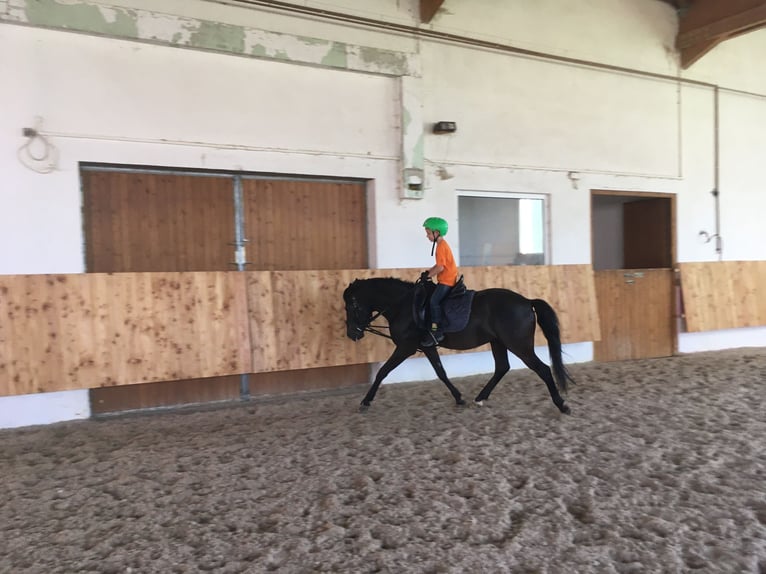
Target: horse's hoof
{"type": "Point", "coordinates": [460, 403]}
{"type": "Point", "coordinates": [565, 410]}
{"type": "Point", "coordinates": [479, 403]}
{"type": "Point", "coordinates": [364, 407]}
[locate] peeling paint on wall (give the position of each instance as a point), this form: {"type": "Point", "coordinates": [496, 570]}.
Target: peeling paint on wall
{"type": "Point", "coordinates": [406, 118]}
{"type": "Point", "coordinates": [179, 31]}
{"type": "Point", "coordinates": [83, 17]}
{"type": "Point", "coordinates": [136, 24]}
{"type": "Point", "coordinates": [385, 59]}
{"type": "Point", "coordinates": [337, 56]}
{"type": "Point", "coordinates": [417, 151]}
{"type": "Point", "coordinates": [217, 36]}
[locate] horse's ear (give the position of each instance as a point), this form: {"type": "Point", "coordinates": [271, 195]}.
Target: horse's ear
{"type": "Point", "coordinates": [348, 289]}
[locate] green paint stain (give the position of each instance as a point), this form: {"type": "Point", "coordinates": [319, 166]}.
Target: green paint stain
{"type": "Point", "coordinates": [124, 23]}
{"type": "Point", "coordinates": [259, 50]}
{"type": "Point", "coordinates": [82, 17]}
{"type": "Point", "coordinates": [280, 55]}
{"type": "Point", "coordinates": [417, 152]}
{"type": "Point", "coordinates": [336, 57]}
{"type": "Point", "coordinates": [217, 36]}
{"type": "Point", "coordinates": [406, 119]}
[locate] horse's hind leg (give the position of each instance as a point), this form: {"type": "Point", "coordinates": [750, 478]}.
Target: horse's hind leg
{"type": "Point", "coordinates": [543, 371]}
{"type": "Point", "coordinates": [396, 359]}
{"type": "Point", "coordinates": [436, 363]}
{"type": "Point", "coordinates": [500, 354]}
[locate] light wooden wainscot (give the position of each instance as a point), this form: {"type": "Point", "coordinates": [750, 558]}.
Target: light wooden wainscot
{"type": "Point", "coordinates": [723, 294]}
{"type": "Point", "coordinates": [61, 332]}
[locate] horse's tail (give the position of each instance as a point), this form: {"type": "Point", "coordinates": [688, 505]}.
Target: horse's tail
{"type": "Point", "coordinates": [549, 323]}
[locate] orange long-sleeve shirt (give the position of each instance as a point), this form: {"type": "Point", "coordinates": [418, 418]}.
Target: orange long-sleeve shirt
{"type": "Point", "coordinates": [444, 257]}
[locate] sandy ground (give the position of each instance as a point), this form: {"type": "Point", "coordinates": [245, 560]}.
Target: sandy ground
{"type": "Point", "coordinates": [660, 468]}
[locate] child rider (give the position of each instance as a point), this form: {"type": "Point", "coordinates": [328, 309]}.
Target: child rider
{"type": "Point", "coordinates": [445, 271]}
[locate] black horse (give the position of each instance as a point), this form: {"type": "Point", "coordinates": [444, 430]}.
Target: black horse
{"type": "Point", "coordinates": [500, 317]}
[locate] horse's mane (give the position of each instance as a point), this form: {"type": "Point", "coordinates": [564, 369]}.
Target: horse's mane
{"type": "Point", "coordinates": [379, 283]}
{"type": "Point", "coordinates": [393, 280]}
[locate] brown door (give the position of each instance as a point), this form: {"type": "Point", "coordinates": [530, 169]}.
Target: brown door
{"type": "Point", "coordinates": [635, 289]}
{"type": "Point", "coordinates": [302, 225]}
{"type": "Point", "coordinates": [647, 235]}
{"type": "Point", "coordinates": [161, 221]}
{"type": "Point", "coordinates": [137, 222]}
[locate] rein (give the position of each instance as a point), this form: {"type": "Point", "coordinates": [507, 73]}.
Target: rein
{"type": "Point", "coordinates": [374, 328]}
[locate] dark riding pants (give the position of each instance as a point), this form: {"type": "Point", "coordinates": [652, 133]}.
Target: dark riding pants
{"type": "Point", "coordinates": [438, 296]}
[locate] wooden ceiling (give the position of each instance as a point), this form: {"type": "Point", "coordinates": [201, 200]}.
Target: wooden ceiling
{"type": "Point", "coordinates": [702, 24]}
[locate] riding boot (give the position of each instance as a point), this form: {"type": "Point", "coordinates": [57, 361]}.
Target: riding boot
{"type": "Point", "coordinates": [433, 337]}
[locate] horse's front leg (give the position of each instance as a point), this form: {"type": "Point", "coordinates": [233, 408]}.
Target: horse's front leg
{"type": "Point", "coordinates": [436, 363]}
{"type": "Point", "coordinates": [396, 359]}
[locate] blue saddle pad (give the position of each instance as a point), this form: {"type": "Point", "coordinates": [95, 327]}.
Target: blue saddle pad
{"type": "Point", "coordinates": [457, 311]}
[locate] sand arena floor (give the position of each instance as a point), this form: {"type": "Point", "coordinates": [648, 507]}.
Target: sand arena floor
{"type": "Point", "coordinates": [660, 468]}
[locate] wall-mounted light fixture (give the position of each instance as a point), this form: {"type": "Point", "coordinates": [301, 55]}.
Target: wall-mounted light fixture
{"type": "Point", "coordinates": [445, 127]}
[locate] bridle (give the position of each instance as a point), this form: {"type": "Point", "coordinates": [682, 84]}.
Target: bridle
{"type": "Point", "coordinates": [357, 311]}
{"type": "Point", "coordinates": [367, 327]}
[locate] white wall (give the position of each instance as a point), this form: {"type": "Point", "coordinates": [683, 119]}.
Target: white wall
{"type": "Point", "coordinates": [325, 99]}
{"type": "Point", "coordinates": [107, 100]}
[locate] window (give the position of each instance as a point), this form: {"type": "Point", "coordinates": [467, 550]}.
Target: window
{"type": "Point", "coordinates": [502, 229]}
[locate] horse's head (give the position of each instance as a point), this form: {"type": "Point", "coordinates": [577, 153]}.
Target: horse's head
{"type": "Point", "coordinates": [358, 314]}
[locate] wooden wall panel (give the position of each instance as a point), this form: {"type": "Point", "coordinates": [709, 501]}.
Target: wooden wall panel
{"type": "Point", "coordinates": [636, 311]}
{"type": "Point", "coordinates": [307, 308]}
{"type": "Point", "coordinates": [63, 332]}
{"type": "Point", "coordinates": [83, 331]}
{"type": "Point", "coordinates": [306, 324]}
{"type": "Point", "coordinates": [723, 294]}
{"type": "Point", "coordinates": [568, 289]}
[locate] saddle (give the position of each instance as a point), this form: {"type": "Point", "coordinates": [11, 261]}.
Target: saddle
{"type": "Point", "coordinates": [456, 306]}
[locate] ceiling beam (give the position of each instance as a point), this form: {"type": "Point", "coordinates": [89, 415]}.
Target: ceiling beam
{"type": "Point", "coordinates": [428, 8]}
{"type": "Point", "coordinates": [707, 23]}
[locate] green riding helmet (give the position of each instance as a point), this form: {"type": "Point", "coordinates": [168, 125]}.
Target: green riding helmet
{"type": "Point", "coordinates": [436, 224]}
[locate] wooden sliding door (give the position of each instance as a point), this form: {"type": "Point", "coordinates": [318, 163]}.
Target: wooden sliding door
{"type": "Point", "coordinates": [154, 220]}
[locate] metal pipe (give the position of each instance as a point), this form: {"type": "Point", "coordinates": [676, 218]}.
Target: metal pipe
{"type": "Point", "coordinates": [241, 261]}
{"type": "Point", "coordinates": [716, 175]}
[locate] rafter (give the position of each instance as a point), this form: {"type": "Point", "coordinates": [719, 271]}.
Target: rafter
{"type": "Point", "coordinates": [428, 8]}
{"type": "Point", "coordinates": [707, 23]}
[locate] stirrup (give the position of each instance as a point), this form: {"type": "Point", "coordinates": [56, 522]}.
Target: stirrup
{"type": "Point", "coordinates": [432, 338]}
